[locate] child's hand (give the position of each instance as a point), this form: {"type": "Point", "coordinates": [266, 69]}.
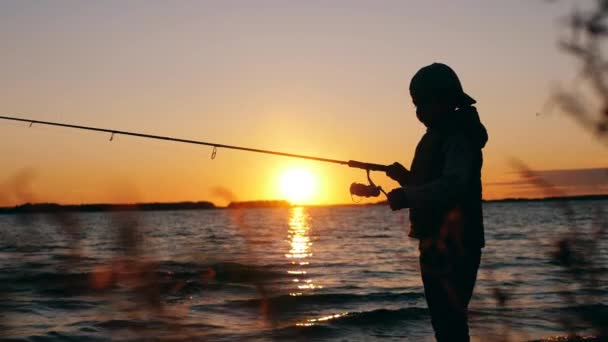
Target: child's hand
{"type": "Point", "coordinates": [397, 172]}
{"type": "Point", "coordinates": [397, 199]}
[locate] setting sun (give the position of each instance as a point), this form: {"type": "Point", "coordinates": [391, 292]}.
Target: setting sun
{"type": "Point", "coordinates": [298, 185]}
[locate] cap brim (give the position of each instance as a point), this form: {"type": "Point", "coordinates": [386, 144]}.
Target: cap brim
{"type": "Point", "coordinates": [466, 100]}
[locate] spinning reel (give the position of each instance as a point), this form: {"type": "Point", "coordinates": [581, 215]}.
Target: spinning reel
{"type": "Point", "coordinates": [370, 189]}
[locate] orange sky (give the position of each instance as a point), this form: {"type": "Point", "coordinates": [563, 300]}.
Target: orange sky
{"type": "Point", "coordinates": [319, 78]}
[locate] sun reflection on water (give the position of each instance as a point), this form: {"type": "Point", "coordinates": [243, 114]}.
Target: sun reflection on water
{"type": "Point", "coordinates": [314, 321]}
{"type": "Point", "coordinates": [300, 250]}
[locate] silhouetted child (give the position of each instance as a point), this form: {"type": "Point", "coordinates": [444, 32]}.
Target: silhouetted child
{"type": "Point", "coordinates": [443, 191]}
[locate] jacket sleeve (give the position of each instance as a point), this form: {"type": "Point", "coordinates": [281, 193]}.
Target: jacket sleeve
{"type": "Point", "coordinates": [404, 180]}
{"type": "Point", "coordinates": [452, 184]}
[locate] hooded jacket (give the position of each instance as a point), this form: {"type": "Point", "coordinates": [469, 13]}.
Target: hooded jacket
{"type": "Point", "coordinates": [445, 178]}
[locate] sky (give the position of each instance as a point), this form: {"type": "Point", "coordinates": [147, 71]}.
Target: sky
{"type": "Point", "coordinates": [323, 78]}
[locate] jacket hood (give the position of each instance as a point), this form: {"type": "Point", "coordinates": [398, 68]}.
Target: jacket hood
{"type": "Point", "coordinates": [466, 120]}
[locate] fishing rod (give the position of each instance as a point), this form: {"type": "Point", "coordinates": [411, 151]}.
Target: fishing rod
{"type": "Point", "coordinates": [365, 190]}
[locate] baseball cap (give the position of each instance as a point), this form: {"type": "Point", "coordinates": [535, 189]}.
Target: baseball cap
{"type": "Point", "coordinates": [438, 82]}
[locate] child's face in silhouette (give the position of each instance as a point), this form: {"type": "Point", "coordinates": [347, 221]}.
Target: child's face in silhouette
{"type": "Point", "coordinates": [429, 113]}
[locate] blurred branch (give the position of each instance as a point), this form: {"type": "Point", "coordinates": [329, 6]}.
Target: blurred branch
{"type": "Point", "coordinates": [588, 31]}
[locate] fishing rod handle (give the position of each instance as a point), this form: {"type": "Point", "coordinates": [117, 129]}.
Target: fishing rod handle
{"type": "Point", "coordinates": [367, 166]}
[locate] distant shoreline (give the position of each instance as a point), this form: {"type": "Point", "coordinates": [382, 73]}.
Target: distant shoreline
{"type": "Point", "coordinates": [553, 199]}
{"type": "Point", "coordinates": [206, 205]}
{"type": "Point", "coordinates": [29, 208]}
{"type": "Point", "coordinates": [541, 199]}
{"type": "Point", "coordinates": [103, 207]}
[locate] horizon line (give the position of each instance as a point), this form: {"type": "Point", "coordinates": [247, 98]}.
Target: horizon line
{"type": "Point", "coordinates": [204, 204]}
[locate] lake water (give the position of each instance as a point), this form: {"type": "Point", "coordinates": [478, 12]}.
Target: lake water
{"type": "Point", "coordinates": [285, 274]}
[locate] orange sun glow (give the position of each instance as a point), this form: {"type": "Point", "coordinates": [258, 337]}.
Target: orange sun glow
{"type": "Point", "coordinates": [298, 186]}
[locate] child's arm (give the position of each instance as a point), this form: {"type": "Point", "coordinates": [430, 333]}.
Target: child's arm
{"type": "Point", "coordinates": [448, 188]}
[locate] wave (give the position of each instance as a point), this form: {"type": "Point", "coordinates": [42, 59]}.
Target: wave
{"type": "Point", "coordinates": [62, 336]}
{"type": "Point", "coordinates": [382, 316]}
{"type": "Point", "coordinates": [39, 274]}
{"type": "Point", "coordinates": [328, 299]}
{"type": "Point", "coordinates": [324, 327]}
{"type": "Point", "coordinates": [375, 236]}
{"type": "Point", "coordinates": [221, 269]}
